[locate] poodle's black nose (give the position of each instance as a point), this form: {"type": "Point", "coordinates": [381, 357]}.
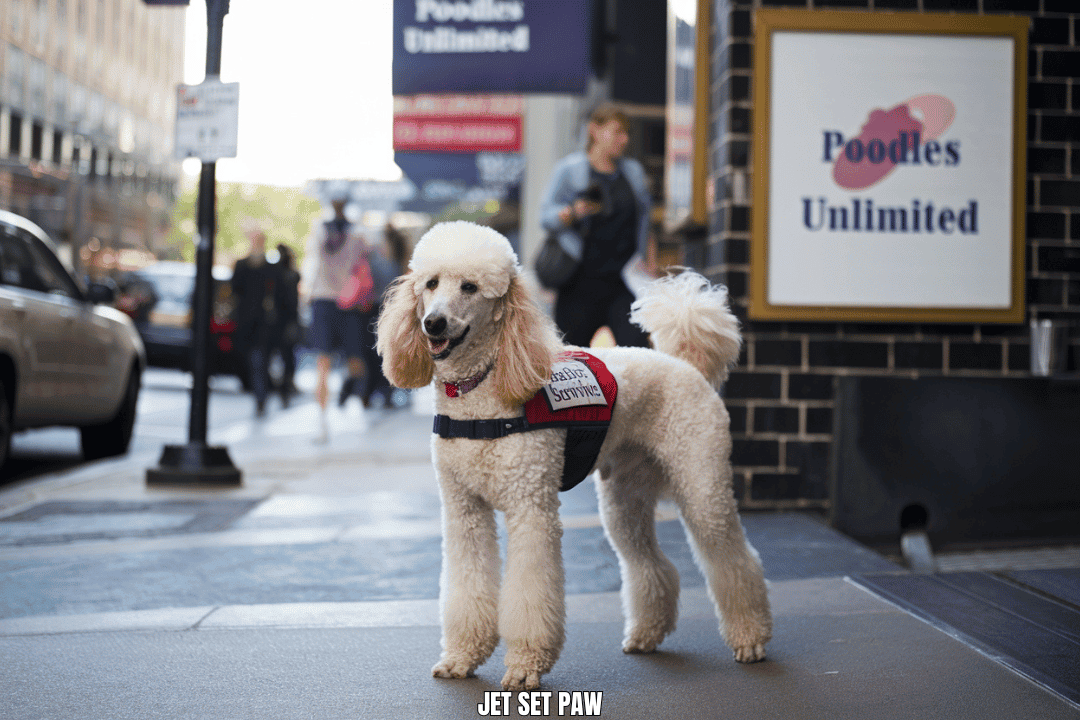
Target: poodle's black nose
{"type": "Point", "coordinates": [435, 325]}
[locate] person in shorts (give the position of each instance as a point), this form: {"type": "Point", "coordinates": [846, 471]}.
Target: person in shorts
{"type": "Point", "coordinates": [332, 251]}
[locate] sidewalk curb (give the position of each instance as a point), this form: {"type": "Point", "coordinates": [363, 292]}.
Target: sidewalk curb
{"type": "Point", "coordinates": [603, 607]}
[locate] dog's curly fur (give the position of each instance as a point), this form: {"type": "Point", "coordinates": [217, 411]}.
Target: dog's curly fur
{"type": "Point", "coordinates": [461, 310]}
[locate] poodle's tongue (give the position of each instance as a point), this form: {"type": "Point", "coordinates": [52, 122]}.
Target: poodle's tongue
{"type": "Point", "coordinates": [441, 348]}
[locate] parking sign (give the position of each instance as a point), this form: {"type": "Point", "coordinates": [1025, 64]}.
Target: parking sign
{"type": "Point", "coordinates": [207, 117]}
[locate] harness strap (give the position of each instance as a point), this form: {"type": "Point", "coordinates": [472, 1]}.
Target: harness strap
{"type": "Point", "coordinates": [489, 429]}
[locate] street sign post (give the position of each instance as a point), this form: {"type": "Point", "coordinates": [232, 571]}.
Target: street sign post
{"type": "Point", "coordinates": [197, 463]}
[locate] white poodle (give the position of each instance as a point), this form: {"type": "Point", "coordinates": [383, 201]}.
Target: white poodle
{"type": "Point", "coordinates": [462, 317]}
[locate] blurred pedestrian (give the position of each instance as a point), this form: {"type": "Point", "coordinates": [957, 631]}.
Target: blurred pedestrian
{"type": "Point", "coordinates": [332, 251]}
{"type": "Point", "coordinates": [387, 262]}
{"type": "Point", "coordinates": [286, 334]}
{"type": "Point", "coordinates": [605, 197]}
{"type": "Point", "coordinates": [254, 285]}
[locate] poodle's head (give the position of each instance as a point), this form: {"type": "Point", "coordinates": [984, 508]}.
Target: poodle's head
{"type": "Point", "coordinates": [461, 272]}
{"type": "Point", "coordinates": [467, 249]}
{"type": "Point", "coordinates": [462, 307]}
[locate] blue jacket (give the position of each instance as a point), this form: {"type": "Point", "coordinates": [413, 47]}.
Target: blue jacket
{"type": "Point", "coordinates": [571, 177]}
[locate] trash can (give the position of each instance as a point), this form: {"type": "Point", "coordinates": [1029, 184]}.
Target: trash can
{"type": "Point", "coordinates": [1049, 340]}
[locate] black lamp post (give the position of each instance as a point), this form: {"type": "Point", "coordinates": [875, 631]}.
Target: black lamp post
{"type": "Point", "coordinates": [197, 463]}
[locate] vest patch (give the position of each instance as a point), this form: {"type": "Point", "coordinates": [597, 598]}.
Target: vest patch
{"type": "Point", "coordinates": [573, 384]}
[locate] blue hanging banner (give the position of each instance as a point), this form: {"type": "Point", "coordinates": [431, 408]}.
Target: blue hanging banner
{"type": "Point", "coordinates": [445, 178]}
{"type": "Point", "coordinates": [491, 46]}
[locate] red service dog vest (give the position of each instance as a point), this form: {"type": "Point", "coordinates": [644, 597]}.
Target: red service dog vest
{"type": "Point", "coordinates": [579, 397]}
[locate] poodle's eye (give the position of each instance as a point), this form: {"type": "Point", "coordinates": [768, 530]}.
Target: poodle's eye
{"type": "Point", "coordinates": [433, 283]}
{"type": "Point", "coordinates": [468, 288]}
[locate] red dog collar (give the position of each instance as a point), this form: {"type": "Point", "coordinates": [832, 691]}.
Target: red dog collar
{"type": "Point", "coordinates": [466, 385]}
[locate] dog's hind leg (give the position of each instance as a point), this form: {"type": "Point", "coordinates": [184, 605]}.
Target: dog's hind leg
{"type": "Point", "coordinates": [532, 611]}
{"type": "Point", "coordinates": [650, 584]}
{"type": "Point", "coordinates": [733, 573]}
{"type": "Point", "coordinates": [469, 585]}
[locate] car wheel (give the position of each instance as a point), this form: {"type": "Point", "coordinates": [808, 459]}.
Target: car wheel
{"type": "Point", "coordinates": [6, 394]}
{"type": "Point", "coordinates": [113, 436]}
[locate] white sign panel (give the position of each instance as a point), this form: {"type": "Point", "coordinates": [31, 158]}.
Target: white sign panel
{"type": "Point", "coordinates": [207, 118]}
{"type": "Point", "coordinates": [891, 179]}
{"type": "Point", "coordinates": [573, 384]}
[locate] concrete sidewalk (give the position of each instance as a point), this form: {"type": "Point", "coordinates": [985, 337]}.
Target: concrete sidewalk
{"type": "Point", "coordinates": [122, 601]}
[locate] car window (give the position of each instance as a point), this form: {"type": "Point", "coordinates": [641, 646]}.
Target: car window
{"type": "Point", "coordinates": [9, 268]}
{"type": "Point", "coordinates": [27, 264]}
{"type": "Point", "coordinates": [175, 288]}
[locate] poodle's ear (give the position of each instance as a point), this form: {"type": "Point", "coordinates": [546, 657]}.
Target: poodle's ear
{"type": "Point", "coordinates": [406, 360]}
{"type": "Point", "coordinates": [528, 343]}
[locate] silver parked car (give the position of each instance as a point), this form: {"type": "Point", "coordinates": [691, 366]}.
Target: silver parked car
{"type": "Point", "coordinates": [65, 357]}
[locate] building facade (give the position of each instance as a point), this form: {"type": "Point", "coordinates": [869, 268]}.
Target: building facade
{"type": "Point", "coordinates": [783, 397]}
{"type": "Point", "coordinates": [87, 106]}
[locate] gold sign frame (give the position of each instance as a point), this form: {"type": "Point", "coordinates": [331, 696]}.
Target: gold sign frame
{"type": "Point", "coordinates": [768, 22]}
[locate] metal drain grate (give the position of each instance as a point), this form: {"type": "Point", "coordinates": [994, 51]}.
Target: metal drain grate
{"type": "Point", "coordinates": [998, 560]}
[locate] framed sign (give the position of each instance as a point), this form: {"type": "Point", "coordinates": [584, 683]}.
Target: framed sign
{"type": "Point", "coordinates": [889, 167]}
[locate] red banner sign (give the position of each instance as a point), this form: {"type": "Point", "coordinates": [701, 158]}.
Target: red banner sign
{"type": "Point", "coordinates": [458, 105]}
{"type": "Point", "coordinates": [457, 133]}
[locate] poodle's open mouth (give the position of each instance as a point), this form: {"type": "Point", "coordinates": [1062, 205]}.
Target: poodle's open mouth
{"type": "Point", "coordinates": [441, 347]}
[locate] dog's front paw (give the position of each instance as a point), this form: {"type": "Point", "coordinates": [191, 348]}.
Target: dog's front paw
{"type": "Point", "coordinates": [645, 639]}
{"type": "Point", "coordinates": [750, 653]}
{"type": "Point", "coordinates": [636, 646]}
{"type": "Point", "coordinates": [453, 668]}
{"type": "Point", "coordinates": [521, 678]}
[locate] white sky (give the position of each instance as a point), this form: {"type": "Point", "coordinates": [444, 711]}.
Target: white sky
{"type": "Point", "coordinates": [315, 92]}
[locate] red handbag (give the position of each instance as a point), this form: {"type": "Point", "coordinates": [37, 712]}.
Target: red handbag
{"type": "Point", "coordinates": [359, 290]}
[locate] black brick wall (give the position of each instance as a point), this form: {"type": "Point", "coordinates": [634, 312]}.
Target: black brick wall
{"type": "Point", "coordinates": [781, 396]}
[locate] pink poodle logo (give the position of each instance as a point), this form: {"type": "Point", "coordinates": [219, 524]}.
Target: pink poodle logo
{"type": "Point", "coordinates": [905, 134]}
